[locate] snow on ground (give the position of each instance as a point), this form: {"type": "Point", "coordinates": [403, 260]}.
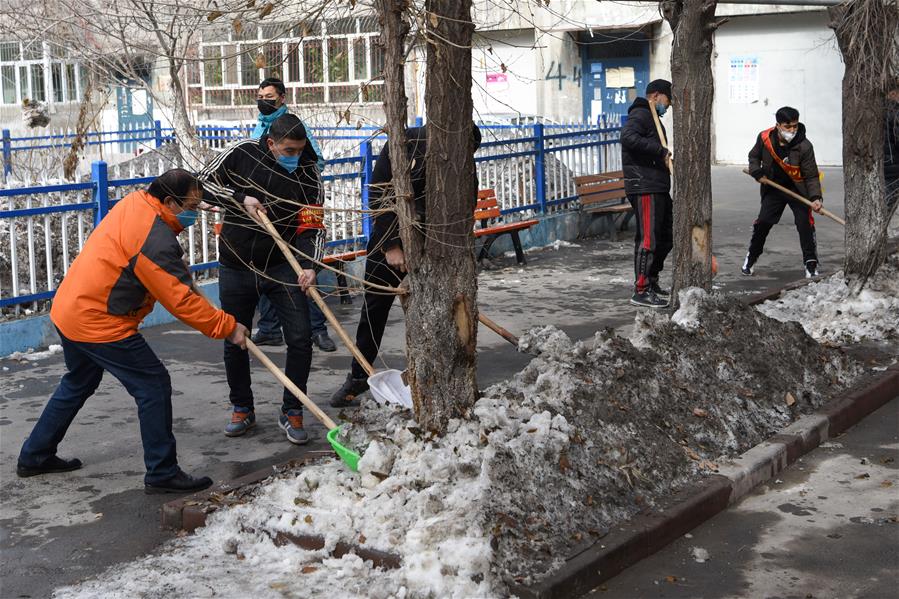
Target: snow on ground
{"type": "Point", "coordinates": [555, 245]}
{"type": "Point", "coordinates": [586, 436]}
{"type": "Point", "coordinates": [33, 356]}
{"type": "Point", "coordinates": [828, 312]}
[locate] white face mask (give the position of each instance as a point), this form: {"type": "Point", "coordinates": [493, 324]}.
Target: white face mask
{"type": "Point", "coordinates": [787, 135]}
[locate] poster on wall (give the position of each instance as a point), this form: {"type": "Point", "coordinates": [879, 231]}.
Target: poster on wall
{"type": "Point", "coordinates": [743, 79]}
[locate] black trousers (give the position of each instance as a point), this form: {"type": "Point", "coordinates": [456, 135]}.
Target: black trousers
{"type": "Point", "coordinates": [773, 204]}
{"type": "Point", "coordinates": [239, 292]}
{"type": "Point", "coordinates": [376, 307]}
{"type": "Point", "coordinates": [654, 236]}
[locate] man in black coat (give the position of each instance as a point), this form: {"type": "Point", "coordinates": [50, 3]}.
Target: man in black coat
{"type": "Point", "coordinates": [275, 175]}
{"type": "Point", "coordinates": [385, 262]}
{"type": "Point", "coordinates": [891, 146]}
{"type": "Point", "coordinates": [785, 156]}
{"type": "Point", "coordinates": [647, 182]}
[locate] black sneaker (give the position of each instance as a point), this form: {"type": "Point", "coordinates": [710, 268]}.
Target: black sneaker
{"type": "Point", "coordinates": [748, 263]}
{"type": "Point", "coordinates": [261, 338]}
{"type": "Point", "coordinates": [51, 465]}
{"type": "Point", "coordinates": [323, 342]}
{"type": "Point", "coordinates": [180, 483]}
{"type": "Point", "coordinates": [811, 269]}
{"type": "Point", "coordinates": [657, 289]}
{"type": "Point", "coordinates": [648, 299]}
{"type": "Point", "coordinates": [351, 389]}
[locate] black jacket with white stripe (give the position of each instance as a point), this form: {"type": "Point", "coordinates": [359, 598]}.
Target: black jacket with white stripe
{"type": "Point", "coordinates": [248, 168]}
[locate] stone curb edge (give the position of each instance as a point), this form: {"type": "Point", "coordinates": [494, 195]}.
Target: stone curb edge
{"type": "Point", "coordinates": [649, 532]}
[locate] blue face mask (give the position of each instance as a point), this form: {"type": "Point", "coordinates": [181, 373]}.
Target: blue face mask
{"type": "Point", "coordinates": [289, 163]}
{"type": "Point", "coordinates": [661, 109]}
{"type": "Point", "coordinates": [187, 218]}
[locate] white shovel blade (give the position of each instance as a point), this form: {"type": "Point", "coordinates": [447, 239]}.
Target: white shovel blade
{"type": "Point", "coordinates": [387, 386]}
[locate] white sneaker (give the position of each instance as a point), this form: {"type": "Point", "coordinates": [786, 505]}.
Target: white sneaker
{"type": "Point", "coordinates": [811, 269]}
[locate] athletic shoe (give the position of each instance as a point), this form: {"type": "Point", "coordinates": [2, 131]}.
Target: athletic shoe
{"type": "Point", "coordinates": [349, 391]}
{"type": "Point", "coordinates": [261, 338]}
{"type": "Point", "coordinates": [323, 342]}
{"type": "Point", "coordinates": [748, 263]}
{"type": "Point", "coordinates": [52, 465]}
{"type": "Point", "coordinates": [292, 423]}
{"type": "Point", "coordinates": [657, 289]}
{"type": "Point", "coordinates": [811, 269]}
{"type": "Point", "coordinates": [242, 420]}
{"type": "Point", "coordinates": [180, 483]}
{"type": "Point", "coordinates": [648, 299]}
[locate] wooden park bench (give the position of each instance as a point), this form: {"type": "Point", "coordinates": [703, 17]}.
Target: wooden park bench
{"type": "Point", "coordinates": [603, 196]}
{"type": "Point", "coordinates": [487, 210]}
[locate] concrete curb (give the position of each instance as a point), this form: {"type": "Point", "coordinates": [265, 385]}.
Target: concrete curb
{"type": "Point", "coordinates": [649, 532]}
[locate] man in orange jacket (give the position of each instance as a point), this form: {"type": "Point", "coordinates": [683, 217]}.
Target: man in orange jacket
{"type": "Point", "coordinates": [131, 260]}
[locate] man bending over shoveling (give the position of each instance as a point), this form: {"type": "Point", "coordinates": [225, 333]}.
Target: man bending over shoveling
{"type": "Point", "coordinates": [130, 261]}
{"type": "Point", "coordinates": [275, 175]}
{"type": "Point", "coordinates": [385, 262]}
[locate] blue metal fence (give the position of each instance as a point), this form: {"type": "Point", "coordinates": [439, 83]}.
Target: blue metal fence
{"type": "Point", "coordinates": [532, 174]}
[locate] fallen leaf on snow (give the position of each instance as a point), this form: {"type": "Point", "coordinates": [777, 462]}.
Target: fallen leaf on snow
{"type": "Point", "coordinates": [700, 413]}
{"type": "Point", "coordinates": [790, 399]}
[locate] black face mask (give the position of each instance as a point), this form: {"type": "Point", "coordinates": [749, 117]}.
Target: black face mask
{"type": "Point", "coordinates": [266, 107]}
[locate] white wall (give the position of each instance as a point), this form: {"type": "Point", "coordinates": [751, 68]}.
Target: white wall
{"type": "Point", "coordinates": [499, 92]}
{"type": "Point", "coordinates": [799, 66]}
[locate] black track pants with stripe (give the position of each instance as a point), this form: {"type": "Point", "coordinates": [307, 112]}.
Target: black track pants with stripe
{"type": "Point", "coordinates": [654, 237]}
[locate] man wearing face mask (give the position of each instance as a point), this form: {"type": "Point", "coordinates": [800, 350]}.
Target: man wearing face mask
{"type": "Point", "coordinates": [273, 175]}
{"type": "Point", "coordinates": [130, 261]}
{"type": "Point", "coordinates": [270, 101]}
{"type": "Point", "coordinates": [647, 182]}
{"type": "Point", "coordinates": [784, 155]}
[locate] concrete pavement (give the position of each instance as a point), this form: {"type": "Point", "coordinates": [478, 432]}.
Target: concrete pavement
{"type": "Point", "coordinates": [58, 529]}
{"type": "Point", "coordinates": [827, 527]}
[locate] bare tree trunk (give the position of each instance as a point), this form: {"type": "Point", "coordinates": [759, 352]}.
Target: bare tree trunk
{"type": "Point", "coordinates": [866, 33]}
{"type": "Point", "coordinates": [441, 309]}
{"type": "Point", "coordinates": [693, 23]}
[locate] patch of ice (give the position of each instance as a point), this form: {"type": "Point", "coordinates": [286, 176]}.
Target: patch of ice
{"type": "Point", "coordinates": [700, 555]}
{"type": "Point", "coordinates": [555, 245]}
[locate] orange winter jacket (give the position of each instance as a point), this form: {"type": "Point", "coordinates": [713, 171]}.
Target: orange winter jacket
{"type": "Point", "coordinates": [131, 260]}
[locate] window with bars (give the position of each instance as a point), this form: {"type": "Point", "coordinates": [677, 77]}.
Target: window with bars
{"type": "Point", "coordinates": [24, 73]}
{"type": "Point", "coordinates": [318, 63]}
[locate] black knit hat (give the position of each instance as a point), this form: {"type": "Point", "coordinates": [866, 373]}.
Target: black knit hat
{"type": "Point", "coordinates": [661, 86]}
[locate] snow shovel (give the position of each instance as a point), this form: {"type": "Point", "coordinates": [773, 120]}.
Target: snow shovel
{"type": "Point", "coordinates": [349, 457]}
{"type": "Point", "coordinates": [386, 386]}
{"type": "Point", "coordinates": [664, 142]}
{"type": "Point", "coordinates": [796, 196]}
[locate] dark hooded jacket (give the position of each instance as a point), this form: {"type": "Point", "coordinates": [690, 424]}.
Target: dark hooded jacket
{"type": "Point", "coordinates": [642, 154]}
{"type": "Point", "coordinates": [249, 168]}
{"type": "Point", "coordinates": [799, 151]}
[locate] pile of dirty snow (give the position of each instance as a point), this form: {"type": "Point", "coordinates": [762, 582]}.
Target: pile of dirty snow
{"type": "Point", "coordinates": [588, 435]}
{"type": "Point", "coordinates": [829, 312]}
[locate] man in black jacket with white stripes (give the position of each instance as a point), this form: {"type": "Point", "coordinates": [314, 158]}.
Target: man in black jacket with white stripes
{"type": "Point", "coordinates": [275, 175]}
{"type": "Point", "coordinates": [647, 182]}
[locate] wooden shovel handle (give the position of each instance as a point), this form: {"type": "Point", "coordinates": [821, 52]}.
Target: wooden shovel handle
{"type": "Point", "coordinates": [796, 196]}
{"type": "Point", "coordinates": [658, 123]}
{"type": "Point", "coordinates": [314, 294]}
{"type": "Point", "coordinates": [316, 411]}
{"type": "Point", "coordinates": [498, 329]}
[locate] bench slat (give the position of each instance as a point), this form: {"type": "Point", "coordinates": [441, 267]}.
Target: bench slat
{"type": "Point", "coordinates": [485, 204]}
{"type": "Point", "coordinates": [486, 194]}
{"type": "Point", "coordinates": [488, 213]}
{"type": "Point", "coordinates": [597, 187]}
{"type": "Point", "coordinates": [345, 257]}
{"type": "Point", "coordinates": [524, 224]}
{"type": "Point", "coordinates": [600, 178]}
{"type": "Point", "coordinates": [592, 198]}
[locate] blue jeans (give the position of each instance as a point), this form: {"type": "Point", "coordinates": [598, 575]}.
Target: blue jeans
{"type": "Point", "coordinates": [135, 365]}
{"type": "Point", "coordinates": [239, 292]}
{"type": "Point", "coordinates": [270, 326]}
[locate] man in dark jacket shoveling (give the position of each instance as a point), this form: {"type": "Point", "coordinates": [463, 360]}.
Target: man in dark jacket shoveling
{"type": "Point", "coordinates": [647, 182]}
{"type": "Point", "coordinates": [784, 155]}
